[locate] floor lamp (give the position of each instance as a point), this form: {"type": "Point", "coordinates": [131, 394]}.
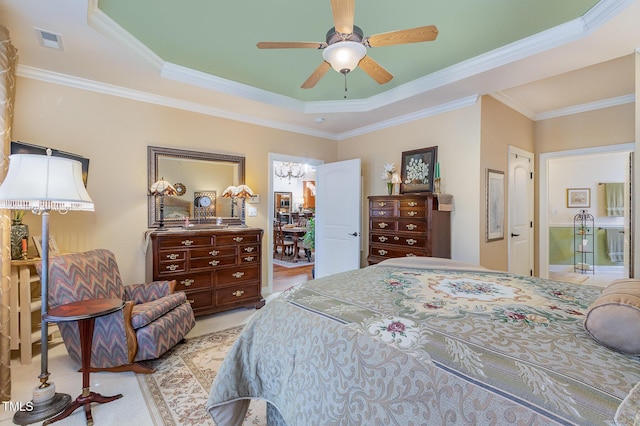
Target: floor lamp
{"type": "Point", "coordinates": [42, 183]}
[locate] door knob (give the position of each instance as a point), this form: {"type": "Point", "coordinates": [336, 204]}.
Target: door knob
{"type": "Point", "coordinates": [355, 234]}
{"type": "Point", "coordinates": [515, 235]}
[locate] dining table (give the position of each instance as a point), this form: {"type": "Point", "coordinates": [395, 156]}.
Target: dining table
{"type": "Point", "coordinates": [296, 232]}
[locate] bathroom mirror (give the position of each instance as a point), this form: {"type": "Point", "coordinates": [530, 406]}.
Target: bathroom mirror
{"type": "Point", "coordinates": [200, 179]}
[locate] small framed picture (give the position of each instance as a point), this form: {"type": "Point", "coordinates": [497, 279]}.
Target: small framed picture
{"type": "Point", "coordinates": [417, 170]}
{"type": "Point", "coordinates": [495, 205]}
{"type": "Point", "coordinates": [578, 197]}
{"type": "Point", "coordinates": [53, 245]}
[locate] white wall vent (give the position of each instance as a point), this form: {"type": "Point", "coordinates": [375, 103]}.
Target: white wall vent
{"type": "Point", "coordinates": [49, 39]}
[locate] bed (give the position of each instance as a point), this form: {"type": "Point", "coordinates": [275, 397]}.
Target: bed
{"type": "Point", "coordinates": [424, 341]}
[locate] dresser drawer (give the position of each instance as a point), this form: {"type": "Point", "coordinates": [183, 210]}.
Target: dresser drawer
{"type": "Point", "coordinates": [189, 282]}
{"type": "Point", "coordinates": [249, 258]}
{"type": "Point", "coordinates": [211, 262]}
{"type": "Point", "coordinates": [211, 252]}
{"type": "Point", "coordinates": [172, 267]}
{"type": "Point", "coordinates": [378, 213]}
{"type": "Point", "coordinates": [185, 241]}
{"type": "Point", "coordinates": [399, 240]}
{"type": "Point", "coordinates": [171, 255]}
{"type": "Point", "coordinates": [200, 299]}
{"type": "Point", "coordinates": [387, 252]}
{"type": "Point", "coordinates": [229, 240]}
{"type": "Point", "coordinates": [413, 212]}
{"type": "Point", "coordinates": [231, 276]}
{"type": "Point", "coordinates": [383, 224]}
{"type": "Point", "coordinates": [236, 293]}
{"type": "Point", "coordinates": [418, 226]}
{"type": "Point", "coordinates": [255, 249]}
{"type": "Point", "coordinates": [383, 204]}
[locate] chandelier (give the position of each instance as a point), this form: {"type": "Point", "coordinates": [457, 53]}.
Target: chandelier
{"type": "Point", "coordinates": [290, 171]}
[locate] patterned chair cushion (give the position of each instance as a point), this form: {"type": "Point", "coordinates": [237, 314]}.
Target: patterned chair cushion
{"type": "Point", "coordinates": [145, 313]}
{"type": "Point", "coordinates": [142, 293]}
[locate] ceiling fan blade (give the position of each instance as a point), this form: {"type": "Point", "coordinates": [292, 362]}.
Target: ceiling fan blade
{"type": "Point", "coordinates": [343, 11]}
{"type": "Point", "coordinates": [291, 45]}
{"type": "Point", "coordinates": [413, 35]}
{"type": "Point", "coordinates": [375, 70]}
{"type": "Point", "coordinates": [316, 75]}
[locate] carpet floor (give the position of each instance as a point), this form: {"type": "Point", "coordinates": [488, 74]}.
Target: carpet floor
{"type": "Point", "coordinates": [178, 390]}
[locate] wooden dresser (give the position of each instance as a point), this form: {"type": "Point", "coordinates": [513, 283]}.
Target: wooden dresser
{"type": "Point", "coordinates": [407, 225]}
{"type": "Point", "coordinates": [219, 269]}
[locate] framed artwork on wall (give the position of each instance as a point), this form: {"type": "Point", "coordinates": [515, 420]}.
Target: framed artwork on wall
{"type": "Point", "coordinates": [578, 197]}
{"type": "Point", "coordinates": [417, 170]}
{"type": "Point", "coordinates": [495, 205]}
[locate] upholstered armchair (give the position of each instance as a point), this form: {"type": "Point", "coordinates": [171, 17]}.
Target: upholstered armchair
{"type": "Point", "coordinates": [153, 320]}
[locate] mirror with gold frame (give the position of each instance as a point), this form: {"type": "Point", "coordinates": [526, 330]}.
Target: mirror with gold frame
{"type": "Point", "coordinates": [195, 173]}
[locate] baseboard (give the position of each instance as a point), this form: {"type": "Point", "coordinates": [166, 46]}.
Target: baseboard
{"type": "Point", "coordinates": [607, 269]}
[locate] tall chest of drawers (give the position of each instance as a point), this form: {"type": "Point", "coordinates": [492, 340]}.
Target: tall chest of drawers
{"type": "Point", "coordinates": [218, 269]}
{"type": "Point", "coordinates": [407, 225]}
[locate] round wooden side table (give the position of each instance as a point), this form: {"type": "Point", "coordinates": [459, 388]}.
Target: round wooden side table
{"type": "Point", "coordinates": [85, 312]}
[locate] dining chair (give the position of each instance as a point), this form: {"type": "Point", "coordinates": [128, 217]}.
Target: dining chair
{"type": "Point", "coordinates": [279, 241]}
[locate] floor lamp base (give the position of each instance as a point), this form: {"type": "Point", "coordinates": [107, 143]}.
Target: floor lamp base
{"type": "Point", "coordinates": [43, 410]}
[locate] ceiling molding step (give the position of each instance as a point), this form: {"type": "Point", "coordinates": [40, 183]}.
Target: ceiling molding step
{"type": "Point", "coordinates": [101, 22]}
{"type": "Point", "coordinates": [429, 112]}
{"type": "Point", "coordinates": [513, 104]}
{"type": "Point", "coordinates": [591, 106]}
{"type": "Point", "coordinates": [207, 81]}
{"type": "Point", "coordinates": [603, 11]}
{"type": "Point", "coordinates": [123, 92]}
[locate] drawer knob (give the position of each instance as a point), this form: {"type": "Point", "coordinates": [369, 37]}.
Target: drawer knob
{"type": "Point", "coordinates": [411, 241]}
{"type": "Point", "coordinates": [249, 249]}
{"type": "Point", "coordinates": [382, 238]}
{"type": "Point", "coordinates": [382, 252]}
{"type": "Point", "coordinates": [238, 239]}
{"type": "Point", "coordinates": [238, 293]}
{"type": "Point", "coordinates": [190, 301]}
{"type": "Point", "coordinates": [214, 262]}
{"type": "Point", "coordinates": [411, 255]}
{"type": "Point", "coordinates": [412, 213]}
{"type": "Point", "coordinates": [396, 238]}
{"type": "Point", "coordinates": [411, 226]}
{"type": "Point", "coordinates": [238, 274]}
{"type": "Point", "coordinates": [383, 225]}
{"type": "Point", "coordinates": [381, 213]}
{"type": "Point", "coordinates": [412, 204]}
{"type": "Point", "coordinates": [187, 242]}
{"type": "Point", "coordinates": [172, 267]}
{"type": "Point", "coordinates": [187, 282]}
{"type": "Point", "coordinates": [173, 256]}
{"type": "Point", "coordinates": [214, 252]}
{"type": "Point", "coordinates": [381, 203]}
{"type": "Point", "coordinates": [249, 258]}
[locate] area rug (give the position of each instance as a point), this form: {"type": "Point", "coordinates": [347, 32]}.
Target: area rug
{"type": "Point", "coordinates": [287, 264]}
{"type": "Point", "coordinates": [178, 390]}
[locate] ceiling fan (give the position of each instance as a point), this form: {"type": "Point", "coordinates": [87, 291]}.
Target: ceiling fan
{"type": "Point", "coordinates": [346, 46]}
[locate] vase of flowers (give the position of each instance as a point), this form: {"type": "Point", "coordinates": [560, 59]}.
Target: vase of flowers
{"type": "Point", "coordinates": [387, 176]}
{"type": "Point", "coordinates": [19, 236]}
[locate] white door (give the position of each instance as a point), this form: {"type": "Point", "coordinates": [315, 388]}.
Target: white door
{"type": "Point", "coordinates": [520, 229]}
{"type": "Point", "coordinates": [338, 217]}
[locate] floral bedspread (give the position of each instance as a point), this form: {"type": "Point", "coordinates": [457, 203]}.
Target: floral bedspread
{"type": "Point", "coordinates": [416, 345]}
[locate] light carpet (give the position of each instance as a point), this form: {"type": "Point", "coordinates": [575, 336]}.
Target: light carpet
{"type": "Point", "coordinates": [569, 277]}
{"type": "Point", "coordinates": [178, 390]}
{"type": "Point", "coordinates": [287, 262]}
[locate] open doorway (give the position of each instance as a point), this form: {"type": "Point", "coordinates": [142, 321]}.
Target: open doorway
{"type": "Point", "coordinates": [603, 250]}
{"type": "Point", "coordinates": [291, 200]}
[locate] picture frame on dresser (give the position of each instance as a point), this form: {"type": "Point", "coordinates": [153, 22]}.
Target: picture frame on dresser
{"type": "Point", "coordinates": [495, 205]}
{"type": "Point", "coordinates": [417, 170]}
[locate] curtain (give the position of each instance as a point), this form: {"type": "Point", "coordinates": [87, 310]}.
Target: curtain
{"type": "Point", "coordinates": [8, 57]}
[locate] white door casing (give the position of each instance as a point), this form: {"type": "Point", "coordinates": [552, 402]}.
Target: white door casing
{"type": "Point", "coordinates": [338, 217]}
{"type": "Point", "coordinates": [521, 209]}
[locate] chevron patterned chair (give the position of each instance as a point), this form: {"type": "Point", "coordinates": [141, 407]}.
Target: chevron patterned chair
{"type": "Point", "coordinates": [153, 320]}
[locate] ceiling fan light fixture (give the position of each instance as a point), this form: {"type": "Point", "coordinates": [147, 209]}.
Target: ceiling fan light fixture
{"type": "Point", "coordinates": [344, 56]}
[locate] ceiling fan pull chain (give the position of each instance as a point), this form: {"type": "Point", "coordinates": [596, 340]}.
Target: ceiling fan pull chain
{"type": "Point", "coordinates": [345, 85]}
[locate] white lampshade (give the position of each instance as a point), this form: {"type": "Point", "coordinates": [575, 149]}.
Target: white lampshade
{"type": "Point", "coordinates": [43, 182]}
{"type": "Point", "coordinates": [243, 191]}
{"type": "Point", "coordinates": [162, 187]}
{"type": "Point", "coordinates": [230, 192]}
{"type": "Point", "coordinates": [344, 56]}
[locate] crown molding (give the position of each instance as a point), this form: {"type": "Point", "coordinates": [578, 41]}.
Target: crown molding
{"type": "Point", "coordinates": [553, 37]}
{"type": "Point", "coordinates": [591, 106]}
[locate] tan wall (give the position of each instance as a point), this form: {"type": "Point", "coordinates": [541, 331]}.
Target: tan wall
{"type": "Point", "coordinates": [456, 134]}
{"type": "Point", "coordinates": [114, 133]}
{"type": "Point", "coordinates": [607, 126]}
{"type": "Point", "coordinates": [501, 127]}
